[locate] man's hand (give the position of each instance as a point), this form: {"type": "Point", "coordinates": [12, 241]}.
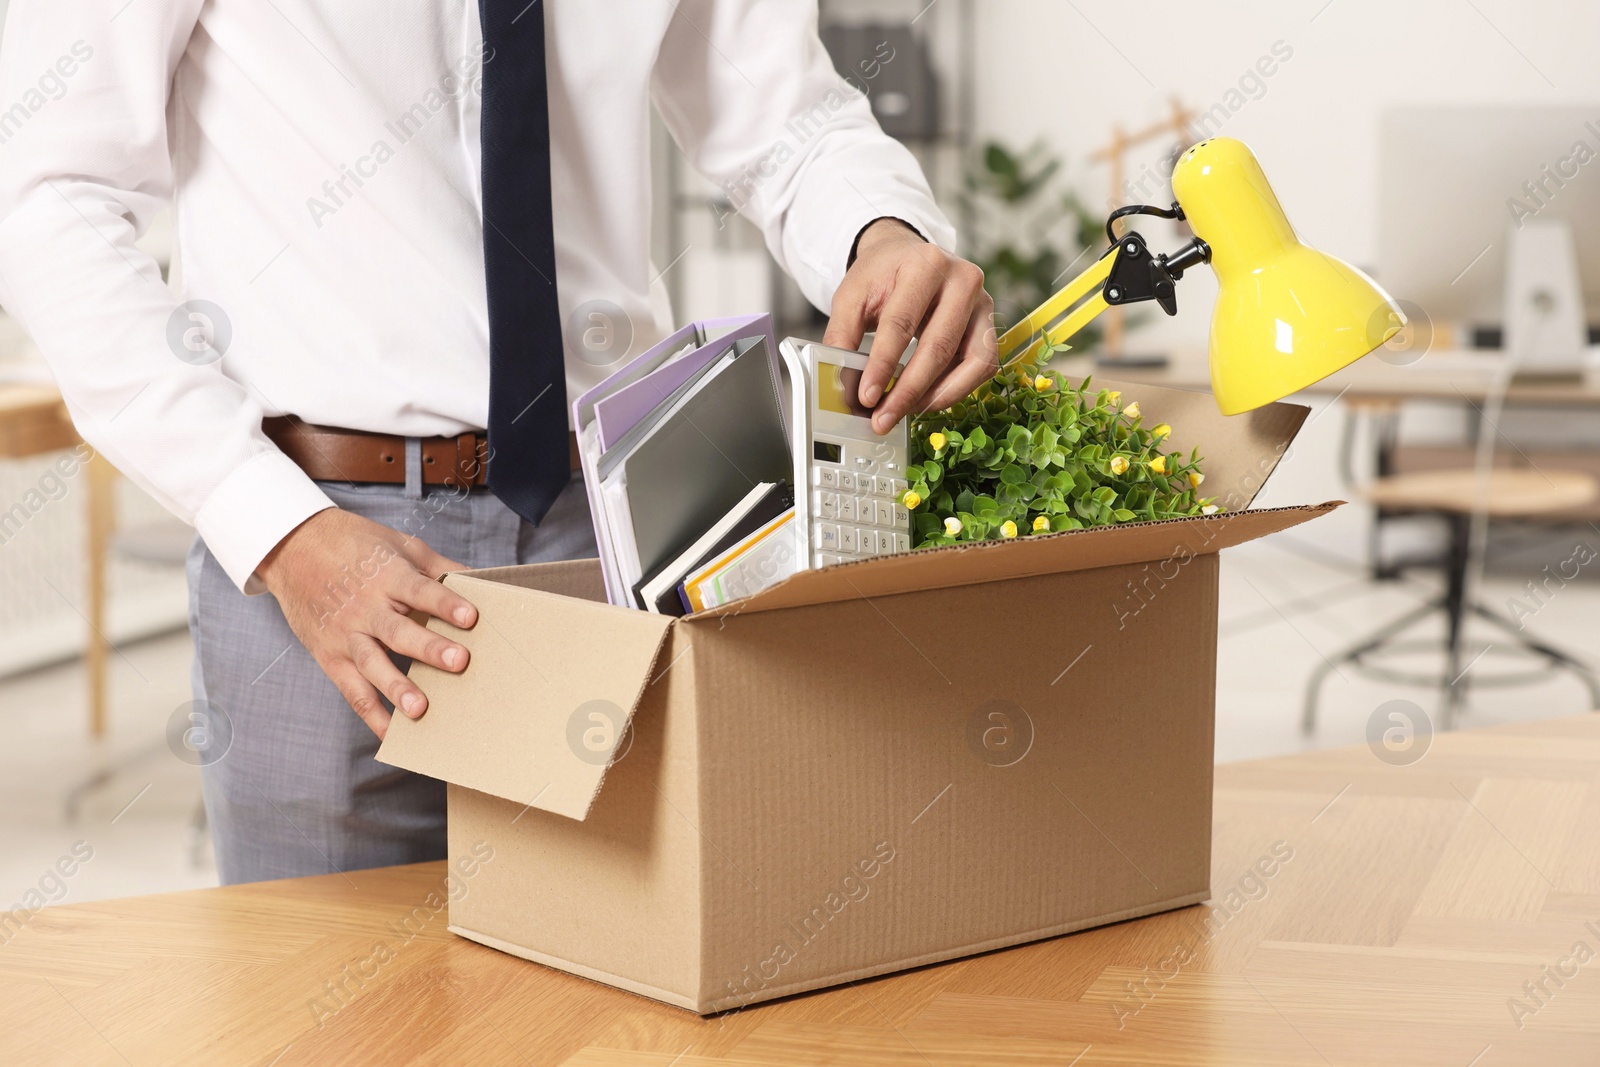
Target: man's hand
{"type": "Point", "coordinates": [904, 287]}
{"type": "Point", "coordinates": [347, 586]}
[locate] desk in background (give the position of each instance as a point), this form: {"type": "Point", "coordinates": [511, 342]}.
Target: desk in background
{"type": "Point", "coordinates": [34, 421]}
{"type": "Point", "coordinates": [1416, 904]}
{"type": "Point", "coordinates": [1377, 391]}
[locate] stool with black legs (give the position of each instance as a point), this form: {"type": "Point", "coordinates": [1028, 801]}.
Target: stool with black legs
{"type": "Point", "coordinates": [1456, 496]}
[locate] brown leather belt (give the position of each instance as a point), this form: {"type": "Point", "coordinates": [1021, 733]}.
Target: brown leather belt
{"type": "Point", "coordinates": [334, 454]}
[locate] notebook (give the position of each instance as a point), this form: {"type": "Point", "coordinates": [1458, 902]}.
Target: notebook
{"type": "Point", "coordinates": [625, 401]}
{"type": "Point", "coordinates": [699, 455]}
{"type": "Point", "coordinates": [766, 557]}
{"type": "Point", "coordinates": [658, 592]}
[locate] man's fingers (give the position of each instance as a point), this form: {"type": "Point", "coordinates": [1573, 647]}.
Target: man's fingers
{"type": "Point", "coordinates": [426, 560]}
{"type": "Point", "coordinates": [847, 318]}
{"type": "Point", "coordinates": [399, 633]}
{"type": "Point", "coordinates": [939, 343]}
{"type": "Point", "coordinates": [915, 289]}
{"type": "Point", "coordinates": [423, 590]}
{"type": "Point", "coordinates": [433, 598]}
{"type": "Point", "coordinates": [359, 694]}
{"type": "Point", "coordinates": [376, 667]}
{"type": "Point", "coordinates": [979, 361]}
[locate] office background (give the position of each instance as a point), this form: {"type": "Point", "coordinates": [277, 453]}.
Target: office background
{"type": "Point", "coordinates": [1064, 77]}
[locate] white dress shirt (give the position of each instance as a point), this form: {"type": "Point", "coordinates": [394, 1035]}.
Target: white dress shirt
{"type": "Point", "coordinates": [322, 156]}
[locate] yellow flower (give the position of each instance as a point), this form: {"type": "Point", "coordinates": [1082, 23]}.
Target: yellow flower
{"type": "Point", "coordinates": [1132, 410]}
{"type": "Point", "coordinates": [1159, 464]}
{"type": "Point", "coordinates": [952, 526]}
{"type": "Point", "coordinates": [1119, 464]}
{"type": "Point", "coordinates": [937, 441]}
{"type": "Point", "coordinates": [1114, 396]}
{"type": "Point", "coordinates": [1210, 509]}
{"type": "Point", "coordinates": [1162, 431]}
{"type": "Point", "coordinates": [1040, 524]}
{"type": "Point", "coordinates": [1008, 529]}
{"type": "Point", "coordinates": [910, 500]}
{"type": "Point", "coordinates": [1044, 383]}
{"type": "Point", "coordinates": [1195, 478]}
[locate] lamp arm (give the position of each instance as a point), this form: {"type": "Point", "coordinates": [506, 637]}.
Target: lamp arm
{"type": "Point", "coordinates": [1057, 319]}
{"type": "Point", "coordinates": [1128, 273]}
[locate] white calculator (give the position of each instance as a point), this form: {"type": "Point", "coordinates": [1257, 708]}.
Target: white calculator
{"type": "Point", "coordinates": [852, 509]}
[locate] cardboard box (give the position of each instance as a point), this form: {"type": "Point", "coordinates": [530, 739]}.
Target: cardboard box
{"type": "Point", "coordinates": [865, 768]}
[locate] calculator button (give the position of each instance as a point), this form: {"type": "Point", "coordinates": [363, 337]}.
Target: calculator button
{"type": "Point", "coordinates": [847, 482]}
{"type": "Point", "coordinates": [847, 509]}
{"type": "Point", "coordinates": [886, 512]}
{"type": "Point", "coordinates": [885, 542]}
{"type": "Point", "coordinates": [897, 486]}
{"type": "Point", "coordinates": [849, 539]}
{"type": "Point", "coordinates": [897, 517]}
{"type": "Point", "coordinates": [827, 505]}
{"type": "Point", "coordinates": [827, 537]}
{"type": "Point", "coordinates": [825, 477]}
{"type": "Point", "coordinates": [867, 513]}
{"type": "Point", "coordinates": [827, 559]}
{"type": "Point", "coordinates": [902, 542]}
{"type": "Point", "coordinates": [887, 487]}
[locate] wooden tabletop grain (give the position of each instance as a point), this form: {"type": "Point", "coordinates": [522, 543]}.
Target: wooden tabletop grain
{"type": "Point", "coordinates": [1367, 910]}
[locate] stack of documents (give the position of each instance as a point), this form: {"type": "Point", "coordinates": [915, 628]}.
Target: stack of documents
{"type": "Point", "coordinates": [686, 456]}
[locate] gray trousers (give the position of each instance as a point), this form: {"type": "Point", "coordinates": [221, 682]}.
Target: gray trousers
{"type": "Point", "coordinates": [295, 790]}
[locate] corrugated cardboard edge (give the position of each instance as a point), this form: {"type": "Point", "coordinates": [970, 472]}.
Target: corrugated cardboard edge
{"type": "Point", "coordinates": [447, 742]}
{"type": "Point", "coordinates": [806, 985]}
{"type": "Point", "coordinates": [677, 1000]}
{"type": "Point", "coordinates": [1025, 557]}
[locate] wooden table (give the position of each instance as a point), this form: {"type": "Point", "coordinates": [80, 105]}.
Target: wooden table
{"type": "Point", "coordinates": [33, 421]}
{"type": "Point", "coordinates": [1417, 903]}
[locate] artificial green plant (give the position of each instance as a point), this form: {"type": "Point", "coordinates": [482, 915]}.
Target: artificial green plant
{"type": "Point", "coordinates": [1031, 453]}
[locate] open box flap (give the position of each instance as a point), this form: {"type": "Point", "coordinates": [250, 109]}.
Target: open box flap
{"type": "Point", "coordinates": [535, 715]}
{"type": "Point", "coordinates": [993, 561]}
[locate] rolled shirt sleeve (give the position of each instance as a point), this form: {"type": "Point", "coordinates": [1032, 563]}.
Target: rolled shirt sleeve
{"type": "Point", "coordinates": [84, 168]}
{"type": "Point", "coordinates": [752, 98]}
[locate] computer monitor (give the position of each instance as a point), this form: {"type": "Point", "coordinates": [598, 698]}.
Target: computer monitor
{"type": "Point", "coordinates": [1453, 183]}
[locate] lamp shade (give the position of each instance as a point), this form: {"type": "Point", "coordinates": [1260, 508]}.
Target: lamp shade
{"type": "Point", "coordinates": [1286, 315]}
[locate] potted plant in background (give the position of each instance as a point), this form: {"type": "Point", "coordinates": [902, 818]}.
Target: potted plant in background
{"type": "Point", "coordinates": [1027, 232]}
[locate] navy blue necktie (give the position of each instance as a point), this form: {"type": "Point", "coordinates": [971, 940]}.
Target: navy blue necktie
{"type": "Point", "coordinates": [529, 462]}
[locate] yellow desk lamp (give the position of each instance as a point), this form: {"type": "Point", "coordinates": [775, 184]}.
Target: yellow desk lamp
{"type": "Point", "coordinates": [1286, 315]}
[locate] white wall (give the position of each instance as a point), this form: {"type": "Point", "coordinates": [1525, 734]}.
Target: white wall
{"type": "Point", "coordinates": [1067, 71]}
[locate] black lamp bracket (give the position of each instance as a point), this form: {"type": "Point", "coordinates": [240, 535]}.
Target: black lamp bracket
{"type": "Point", "coordinates": [1137, 274]}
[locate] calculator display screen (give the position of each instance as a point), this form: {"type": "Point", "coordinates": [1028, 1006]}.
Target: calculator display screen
{"type": "Point", "coordinates": [838, 389]}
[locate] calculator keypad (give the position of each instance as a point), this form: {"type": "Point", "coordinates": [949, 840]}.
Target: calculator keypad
{"type": "Point", "coordinates": [856, 516]}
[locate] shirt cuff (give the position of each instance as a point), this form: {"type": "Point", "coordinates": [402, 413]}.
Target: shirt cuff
{"type": "Point", "coordinates": [856, 245]}
{"type": "Point", "coordinates": [253, 509]}
{"type": "Point", "coordinates": [819, 277]}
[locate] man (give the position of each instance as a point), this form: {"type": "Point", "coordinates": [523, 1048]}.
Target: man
{"type": "Point", "coordinates": [387, 218]}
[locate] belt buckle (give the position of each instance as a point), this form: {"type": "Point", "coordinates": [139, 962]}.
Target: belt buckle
{"type": "Point", "coordinates": [469, 460]}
